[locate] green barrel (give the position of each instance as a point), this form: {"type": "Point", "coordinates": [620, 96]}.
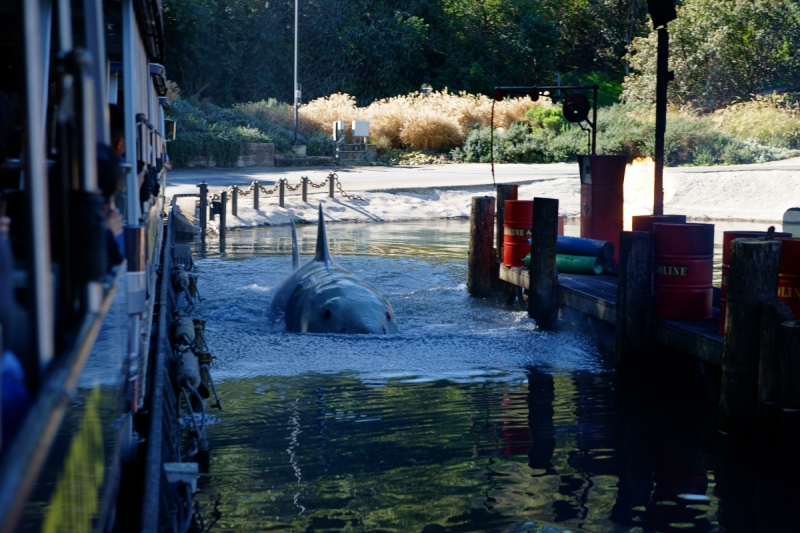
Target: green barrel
{"type": "Point", "coordinates": [575, 264]}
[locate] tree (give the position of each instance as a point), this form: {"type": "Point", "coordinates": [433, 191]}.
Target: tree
{"type": "Point", "coordinates": [721, 52]}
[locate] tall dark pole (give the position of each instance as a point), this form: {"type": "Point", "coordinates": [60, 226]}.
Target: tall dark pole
{"type": "Point", "coordinates": [296, 88]}
{"type": "Point", "coordinates": [663, 76]}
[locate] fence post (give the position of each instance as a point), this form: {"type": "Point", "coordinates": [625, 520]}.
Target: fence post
{"type": "Point", "coordinates": [222, 220]}
{"type": "Point", "coordinates": [203, 208]}
{"type": "Point", "coordinates": [256, 190]}
{"type": "Point", "coordinates": [235, 201]}
{"type": "Point", "coordinates": [281, 191]}
{"type": "Point", "coordinates": [542, 294]}
{"type": "Point", "coordinates": [331, 180]}
{"type": "Point", "coordinates": [481, 256]}
{"type": "Point", "coordinates": [752, 279]}
{"type": "Point", "coordinates": [305, 188]}
{"type": "Point", "coordinates": [634, 301]}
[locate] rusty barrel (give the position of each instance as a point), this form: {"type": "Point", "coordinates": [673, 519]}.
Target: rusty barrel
{"type": "Point", "coordinates": [789, 274]}
{"type": "Point", "coordinates": [683, 270]}
{"type": "Point", "coordinates": [727, 239]}
{"type": "Point", "coordinates": [516, 231]}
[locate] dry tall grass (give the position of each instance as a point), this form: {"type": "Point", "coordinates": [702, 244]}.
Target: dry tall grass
{"type": "Point", "coordinates": [435, 121]}
{"type": "Point", "coordinates": [771, 120]}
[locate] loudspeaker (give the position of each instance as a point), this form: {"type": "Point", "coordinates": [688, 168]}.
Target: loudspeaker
{"type": "Point", "coordinates": [661, 11]}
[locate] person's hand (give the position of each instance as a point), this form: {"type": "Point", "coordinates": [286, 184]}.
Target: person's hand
{"type": "Point", "coordinates": [114, 222]}
{"type": "Point", "coordinates": [5, 226]}
{"type": "Point", "coordinates": [168, 165]}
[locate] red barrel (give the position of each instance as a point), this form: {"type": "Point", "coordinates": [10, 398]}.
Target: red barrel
{"type": "Point", "coordinates": [683, 269]}
{"type": "Point", "coordinates": [789, 277]}
{"type": "Point", "coordinates": [645, 222]}
{"type": "Point", "coordinates": [516, 231]}
{"type": "Point", "coordinates": [727, 238]}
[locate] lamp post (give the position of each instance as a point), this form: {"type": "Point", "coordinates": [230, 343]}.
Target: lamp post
{"type": "Point", "coordinates": [296, 86]}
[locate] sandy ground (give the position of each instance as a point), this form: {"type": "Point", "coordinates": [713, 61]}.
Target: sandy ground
{"type": "Point", "coordinates": [400, 193]}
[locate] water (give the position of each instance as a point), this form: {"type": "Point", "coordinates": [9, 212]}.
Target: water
{"type": "Point", "coordinates": [470, 419]}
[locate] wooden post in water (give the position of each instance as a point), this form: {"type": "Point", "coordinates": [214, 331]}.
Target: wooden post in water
{"type": "Point", "coordinates": [790, 365]}
{"type": "Point", "coordinates": [305, 188]}
{"type": "Point", "coordinates": [223, 207]}
{"type": "Point", "coordinates": [752, 279]}
{"type": "Point", "coordinates": [504, 192]}
{"type": "Point", "coordinates": [634, 301]}
{"type": "Point", "coordinates": [256, 190]}
{"type": "Point", "coordinates": [235, 200]}
{"type": "Point", "coordinates": [773, 314]}
{"type": "Point", "coordinates": [481, 254]}
{"type": "Point", "coordinates": [203, 208]}
{"type": "Point", "coordinates": [281, 191]}
{"type": "Point", "coordinates": [542, 305]}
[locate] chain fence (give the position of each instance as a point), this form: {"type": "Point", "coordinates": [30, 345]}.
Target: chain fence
{"type": "Point", "coordinates": [276, 187]}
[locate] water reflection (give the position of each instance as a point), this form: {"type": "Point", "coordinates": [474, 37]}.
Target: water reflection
{"type": "Point", "coordinates": [468, 420]}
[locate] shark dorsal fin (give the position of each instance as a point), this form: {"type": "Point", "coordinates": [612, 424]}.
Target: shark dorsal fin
{"type": "Point", "coordinates": [322, 254]}
{"type": "Point", "coordinates": [295, 253]}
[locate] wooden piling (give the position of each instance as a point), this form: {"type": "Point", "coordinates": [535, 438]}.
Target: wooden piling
{"type": "Point", "coordinates": [542, 304]}
{"type": "Point", "coordinates": [752, 279]}
{"type": "Point", "coordinates": [256, 190]}
{"type": "Point", "coordinates": [504, 192]}
{"type": "Point", "coordinates": [203, 208]}
{"type": "Point", "coordinates": [773, 314]}
{"type": "Point", "coordinates": [235, 200]}
{"type": "Point", "coordinates": [305, 188]}
{"type": "Point", "coordinates": [481, 254]}
{"type": "Point", "coordinates": [281, 192]}
{"type": "Point", "coordinates": [223, 205]}
{"type": "Point", "coordinates": [790, 365]}
{"type": "Point", "coordinates": [634, 301]}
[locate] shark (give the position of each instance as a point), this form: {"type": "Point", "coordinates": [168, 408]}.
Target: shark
{"type": "Point", "coordinates": [323, 297]}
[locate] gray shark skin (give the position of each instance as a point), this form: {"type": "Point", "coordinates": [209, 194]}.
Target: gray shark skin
{"type": "Point", "coordinates": [322, 297]}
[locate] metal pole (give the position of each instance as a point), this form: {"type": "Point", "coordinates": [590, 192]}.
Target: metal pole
{"type": "Point", "coordinates": [256, 188]}
{"type": "Point", "coordinates": [203, 208]}
{"type": "Point", "coordinates": [96, 42]}
{"type": "Point", "coordinates": [296, 90]}
{"type": "Point", "coordinates": [235, 201]}
{"type": "Point", "coordinates": [129, 76]}
{"type": "Point", "coordinates": [222, 220]}
{"type": "Point", "coordinates": [281, 191]}
{"type": "Point", "coordinates": [331, 180]}
{"type": "Point", "coordinates": [305, 188]}
{"type": "Point", "coordinates": [662, 78]}
{"type": "Point", "coordinates": [594, 121]}
{"type": "Point", "coordinates": [41, 291]}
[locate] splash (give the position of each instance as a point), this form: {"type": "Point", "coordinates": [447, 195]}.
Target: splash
{"type": "Point", "coordinates": [638, 189]}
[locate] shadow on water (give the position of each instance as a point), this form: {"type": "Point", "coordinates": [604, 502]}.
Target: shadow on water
{"type": "Point", "coordinates": [470, 419]}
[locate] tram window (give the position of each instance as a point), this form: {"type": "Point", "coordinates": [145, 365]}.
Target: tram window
{"type": "Point", "coordinates": [171, 128]}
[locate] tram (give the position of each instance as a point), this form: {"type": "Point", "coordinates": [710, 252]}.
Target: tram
{"type": "Point", "coordinates": [82, 229]}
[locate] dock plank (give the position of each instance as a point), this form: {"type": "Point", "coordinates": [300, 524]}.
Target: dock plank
{"type": "Point", "coordinates": [596, 296]}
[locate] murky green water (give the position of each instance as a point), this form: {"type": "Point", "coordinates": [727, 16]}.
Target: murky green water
{"type": "Point", "coordinates": [469, 420]}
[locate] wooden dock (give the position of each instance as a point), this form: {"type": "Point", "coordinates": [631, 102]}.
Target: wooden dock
{"type": "Point", "coordinates": [596, 296]}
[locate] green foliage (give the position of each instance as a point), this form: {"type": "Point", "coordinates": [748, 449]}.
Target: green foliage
{"type": "Point", "coordinates": [546, 118]}
{"type": "Point", "coordinates": [628, 129]}
{"type": "Point", "coordinates": [206, 130]}
{"type": "Point", "coordinates": [721, 52]}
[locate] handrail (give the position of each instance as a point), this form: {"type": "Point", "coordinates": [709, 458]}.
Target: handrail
{"type": "Point", "coordinates": [22, 462]}
{"type": "Point", "coordinates": [153, 468]}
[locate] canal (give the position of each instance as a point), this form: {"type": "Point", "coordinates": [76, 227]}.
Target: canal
{"type": "Point", "coordinates": [470, 419]}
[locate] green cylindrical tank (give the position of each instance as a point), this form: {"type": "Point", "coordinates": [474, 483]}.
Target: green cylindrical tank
{"type": "Point", "coordinates": [575, 264]}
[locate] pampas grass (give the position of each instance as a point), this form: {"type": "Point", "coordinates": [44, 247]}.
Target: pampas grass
{"type": "Point", "coordinates": [435, 121]}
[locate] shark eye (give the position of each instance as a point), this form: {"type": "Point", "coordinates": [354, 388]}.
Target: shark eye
{"type": "Point", "coordinates": [327, 313]}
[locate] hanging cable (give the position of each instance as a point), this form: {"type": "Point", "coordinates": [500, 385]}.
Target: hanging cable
{"type": "Point", "coordinates": [491, 142]}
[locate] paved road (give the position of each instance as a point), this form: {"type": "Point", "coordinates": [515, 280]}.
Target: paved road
{"type": "Point", "coordinates": [369, 178]}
